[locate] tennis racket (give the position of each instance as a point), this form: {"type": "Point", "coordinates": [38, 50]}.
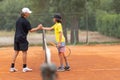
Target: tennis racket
{"type": "Point", "coordinates": [67, 49]}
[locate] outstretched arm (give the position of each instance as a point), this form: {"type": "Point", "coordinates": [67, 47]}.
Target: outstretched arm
{"type": "Point", "coordinates": [36, 29]}
{"type": "Point", "coordinates": [47, 28]}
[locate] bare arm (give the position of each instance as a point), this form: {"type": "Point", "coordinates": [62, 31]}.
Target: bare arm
{"type": "Point", "coordinates": [36, 29]}
{"type": "Point", "coordinates": [47, 28]}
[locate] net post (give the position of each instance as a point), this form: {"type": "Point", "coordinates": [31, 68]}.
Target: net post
{"type": "Point", "coordinates": [43, 36]}
{"type": "Point", "coordinates": [48, 69]}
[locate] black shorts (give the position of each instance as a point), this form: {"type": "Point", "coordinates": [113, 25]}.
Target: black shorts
{"type": "Point", "coordinates": [21, 46]}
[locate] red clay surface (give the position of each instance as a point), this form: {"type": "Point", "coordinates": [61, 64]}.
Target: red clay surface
{"type": "Point", "coordinates": [96, 62]}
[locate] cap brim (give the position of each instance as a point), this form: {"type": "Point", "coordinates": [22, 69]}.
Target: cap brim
{"type": "Point", "coordinates": [30, 12]}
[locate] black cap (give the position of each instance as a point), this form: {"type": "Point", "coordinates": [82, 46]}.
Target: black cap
{"type": "Point", "coordinates": [57, 16]}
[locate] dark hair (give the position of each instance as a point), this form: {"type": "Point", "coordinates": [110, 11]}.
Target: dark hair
{"type": "Point", "coordinates": [22, 14]}
{"type": "Point", "coordinates": [58, 20]}
{"type": "Point", "coordinates": [57, 16]}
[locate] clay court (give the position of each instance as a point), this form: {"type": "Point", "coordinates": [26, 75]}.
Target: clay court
{"type": "Point", "coordinates": [93, 62]}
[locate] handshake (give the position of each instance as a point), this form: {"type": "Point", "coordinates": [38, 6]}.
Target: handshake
{"type": "Point", "coordinates": [40, 27]}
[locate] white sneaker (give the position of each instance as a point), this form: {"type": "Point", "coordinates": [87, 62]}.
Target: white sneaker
{"type": "Point", "coordinates": [27, 69]}
{"type": "Point", "coordinates": [13, 70]}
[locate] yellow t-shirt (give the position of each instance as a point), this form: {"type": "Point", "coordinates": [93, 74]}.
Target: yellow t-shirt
{"type": "Point", "coordinates": [57, 29]}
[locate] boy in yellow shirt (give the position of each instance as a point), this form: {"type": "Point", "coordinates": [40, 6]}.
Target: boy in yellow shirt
{"type": "Point", "coordinates": [60, 39]}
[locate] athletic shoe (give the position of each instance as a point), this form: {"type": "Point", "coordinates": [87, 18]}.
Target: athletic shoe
{"type": "Point", "coordinates": [27, 69]}
{"type": "Point", "coordinates": [13, 70]}
{"type": "Point", "coordinates": [67, 68]}
{"type": "Point", "coordinates": [60, 69]}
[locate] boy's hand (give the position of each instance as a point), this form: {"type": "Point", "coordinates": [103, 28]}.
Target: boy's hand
{"type": "Point", "coordinates": [40, 26]}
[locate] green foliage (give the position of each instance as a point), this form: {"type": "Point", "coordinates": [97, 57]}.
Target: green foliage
{"type": "Point", "coordinates": [90, 13]}
{"type": "Point", "coordinates": [73, 8]}
{"type": "Point", "coordinates": [108, 18]}
{"type": "Point", "coordinates": [116, 6]}
{"type": "Point", "coordinates": [106, 5]}
{"type": "Point", "coordinates": [102, 14]}
{"type": "Point", "coordinates": [108, 24]}
{"type": "Point", "coordinates": [9, 11]}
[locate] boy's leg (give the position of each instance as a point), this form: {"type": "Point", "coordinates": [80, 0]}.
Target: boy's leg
{"type": "Point", "coordinates": [67, 67]}
{"type": "Point", "coordinates": [16, 52]}
{"type": "Point", "coordinates": [61, 68]}
{"type": "Point", "coordinates": [15, 56]}
{"type": "Point", "coordinates": [12, 69]}
{"type": "Point", "coordinates": [61, 60]}
{"type": "Point", "coordinates": [24, 59]}
{"type": "Point", "coordinates": [62, 52]}
{"type": "Point", "coordinates": [25, 68]}
{"type": "Point", "coordinates": [66, 61]}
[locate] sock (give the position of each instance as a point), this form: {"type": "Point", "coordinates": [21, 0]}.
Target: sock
{"type": "Point", "coordinates": [12, 65]}
{"type": "Point", "coordinates": [24, 65]}
{"type": "Point", "coordinates": [67, 64]}
{"type": "Point", "coordinates": [62, 65]}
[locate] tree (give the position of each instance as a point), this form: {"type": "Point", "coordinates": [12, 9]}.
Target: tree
{"type": "Point", "coordinates": [71, 11]}
{"type": "Point", "coordinates": [116, 6]}
{"type": "Point", "coordinates": [9, 11]}
{"type": "Point", "coordinates": [40, 6]}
